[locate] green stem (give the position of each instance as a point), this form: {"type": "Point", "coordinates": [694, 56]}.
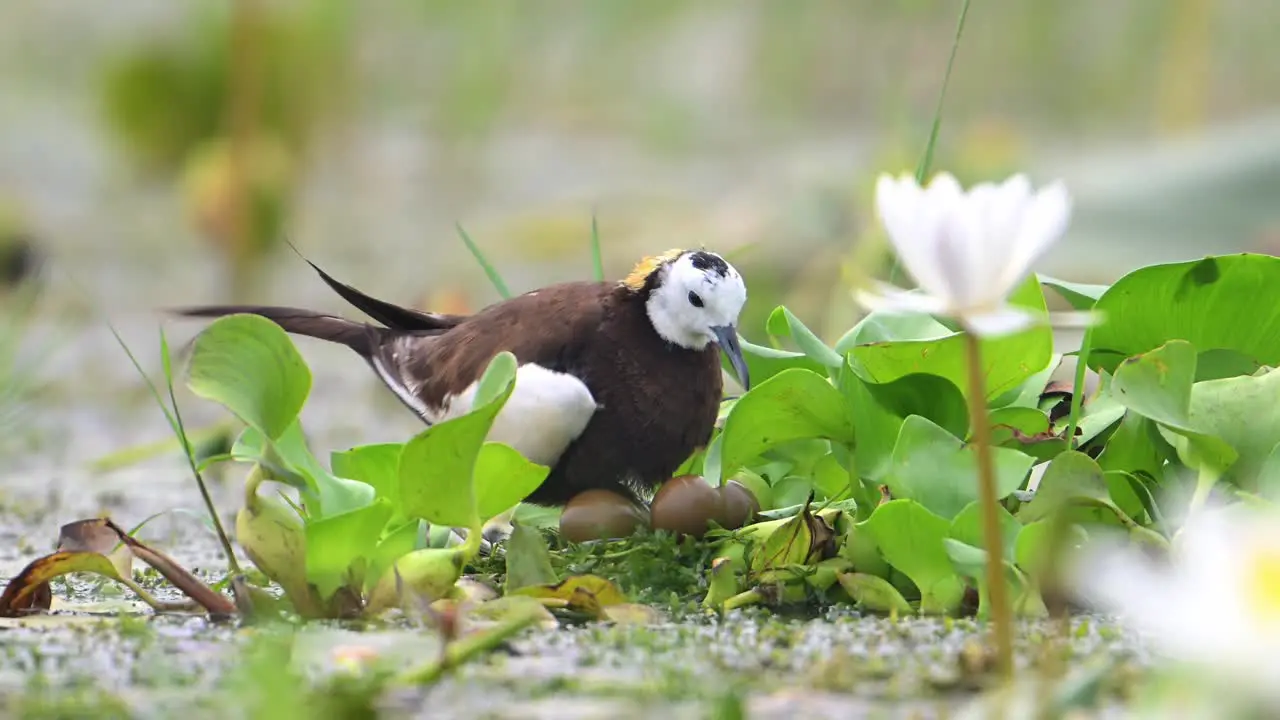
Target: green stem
{"type": "Point", "coordinates": [1077, 389]}
{"type": "Point", "coordinates": [922, 170]}
{"type": "Point", "coordinates": [468, 648]}
{"type": "Point", "coordinates": [998, 591]}
{"type": "Point", "coordinates": [1206, 478]}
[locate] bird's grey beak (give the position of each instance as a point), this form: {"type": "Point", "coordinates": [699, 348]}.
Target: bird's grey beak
{"type": "Point", "coordinates": [727, 339]}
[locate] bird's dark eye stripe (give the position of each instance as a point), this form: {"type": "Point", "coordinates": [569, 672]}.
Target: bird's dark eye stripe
{"type": "Point", "coordinates": [694, 300]}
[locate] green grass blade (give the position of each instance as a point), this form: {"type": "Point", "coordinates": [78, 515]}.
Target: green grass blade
{"type": "Point", "coordinates": [922, 170]}
{"type": "Point", "coordinates": [167, 362]}
{"type": "Point", "coordinates": [596, 257]}
{"type": "Point", "coordinates": [489, 269]}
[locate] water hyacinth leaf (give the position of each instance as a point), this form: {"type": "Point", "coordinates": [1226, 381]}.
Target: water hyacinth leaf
{"type": "Point", "coordinates": [420, 577]}
{"type": "Point", "coordinates": [880, 327]}
{"type": "Point", "coordinates": [929, 396]}
{"type": "Point", "coordinates": [1230, 411]}
{"type": "Point", "coordinates": [1158, 385]}
{"type": "Point", "coordinates": [792, 405]}
{"type": "Point", "coordinates": [528, 559]}
{"type": "Point", "coordinates": [338, 547]}
{"type": "Point", "coordinates": [765, 362]}
{"type": "Point", "coordinates": [1027, 430]}
{"type": "Point", "coordinates": [831, 478]}
{"type": "Point", "coordinates": [537, 516]}
{"type": "Point", "coordinates": [1072, 478]}
{"type": "Point", "coordinates": [1223, 363]}
{"type": "Point", "coordinates": [1135, 446]}
{"type": "Point", "coordinates": [862, 552]}
{"type": "Point", "coordinates": [247, 364]}
{"type": "Point", "coordinates": [1031, 551]}
{"type": "Point", "coordinates": [1224, 302]}
{"type": "Point", "coordinates": [272, 535]}
{"type": "Point", "coordinates": [876, 426]}
{"type": "Point", "coordinates": [792, 490]}
{"type": "Point", "coordinates": [337, 495]}
{"type": "Point", "coordinates": [971, 562]}
{"type": "Point", "coordinates": [376, 465]}
{"type": "Point", "coordinates": [504, 477]}
{"type": "Point", "coordinates": [874, 593]}
{"type": "Point", "coordinates": [1081, 296]}
{"type": "Point", "coordinates": [1027, 394]}
{"type": "Point", "coordinates": [939, 471]}
{"type": "Point", "coordinates": [437, 466]}
{"type": "Point", "coordinates": [802, 539]}
{"type": "Point", "coordinates": [782, 323]}
{"type": "Point", "coordinates": [1008, 361]}
{"type": "Point", "coordinates": [967, 527]}
{"type": "Point", "coordinates": [400, 541]}
{"type": "Point", "coordinates": [910, 538]}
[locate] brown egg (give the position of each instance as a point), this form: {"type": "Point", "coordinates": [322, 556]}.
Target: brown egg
{"type": "Point", "coordinates": [685, 504]}
{"type": "Point", "coordinates": [599, 515]}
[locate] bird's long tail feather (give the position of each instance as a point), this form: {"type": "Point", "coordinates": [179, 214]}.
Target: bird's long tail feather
{"type": "Point", "coordinates": [360, 337]}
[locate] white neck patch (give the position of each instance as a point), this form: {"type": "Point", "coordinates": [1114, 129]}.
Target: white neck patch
{"type": "Point", "coordinates": [695, 292]}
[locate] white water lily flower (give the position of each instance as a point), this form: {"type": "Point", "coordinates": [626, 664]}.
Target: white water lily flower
{"type": "Point", "coordinates": [1215, 605]}
{"type": "Point", "coordinates": [967, 251]}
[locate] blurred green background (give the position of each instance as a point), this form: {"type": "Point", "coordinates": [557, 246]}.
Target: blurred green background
{"type": "Point", "coordinates": [155, 152]}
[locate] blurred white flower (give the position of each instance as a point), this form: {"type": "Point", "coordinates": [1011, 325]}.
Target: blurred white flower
{"type": "Point", "coordinates": [1214, 605]}
{"type": "Point", "coordinates": [967, 251]}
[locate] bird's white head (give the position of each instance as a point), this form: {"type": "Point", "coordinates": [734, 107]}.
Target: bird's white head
{"type": "Point", "coordinates": [694, 299]}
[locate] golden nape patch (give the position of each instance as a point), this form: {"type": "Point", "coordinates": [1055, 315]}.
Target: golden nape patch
{"type": "Point", "coordinates": [643, 269]}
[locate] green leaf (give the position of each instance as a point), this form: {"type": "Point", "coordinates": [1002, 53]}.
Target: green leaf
{"type": "Point", "coordinates": [397, 543]}
{"type": "Point", "coordinates": [1031, 551]}
{"type": "Point", "coordinates": [504, 477]}
{"type": "Point", "coordinates": [875, 425]}
{"type": "Point", "coordinates": [1135, 446]}
{"type": "Point", "coordinates": [1027, 430]}
{"type": "Point", "coordinates": [1081, 296]}
{"type": "Point", "coordinates": [1007, 361]}
{"type": "Point", "coordinates": [491, 272]}
{"type": "Point", "coordinates": [967, 527]}
{"type": "Point", "coordinates": [792, 405]}
{"type": "Point", "coordinates": [336, 495]}
{"type": "Point", "coordinates": [597, 258]}
{"type": "Point", "coordinates": [939, 471]}
{"type": "Point", "coordinates": [1072, 478]}
{"type": "Point", "coordinates": [247, 364]}
{"type": "Point", "coordinates": [1241, 412]}
{"type": "Point", "coordinates": [338, 547]}
{"type": "Point", "coordinates": [782, 323]}
{"type": "Point", "coordinates": [971, 562]}
{"type": "Point", "coordinates": [376, 465]}
{"type": "Point", "coordinates": [437, 466]}
{"type": "Point", "coordinates": [929, 396]}
{"type": "Point", "coordinates": [765, 362]}
{"type": "Point", "coordinates": [874, 593]}
{"type": "Point", "coordinates": [1223, 302]}
{"type": "Point", "coordinates": [831, 478]}
{"type": "Point", "coordinates": [528, 560]}
{"type": "Point", "coordinates": [1157, 385]}
{"type": "Point", "coordinates": [911, 540]}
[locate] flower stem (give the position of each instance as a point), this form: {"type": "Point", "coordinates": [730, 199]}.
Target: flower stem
{"type": "Point", "coordinates": [1077, 389]}
{"type": "Point", "coordinates": [981, 432]}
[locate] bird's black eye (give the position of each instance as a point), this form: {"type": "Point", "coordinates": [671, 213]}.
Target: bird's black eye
{"type": "Point", "coordinates": [694, 300]}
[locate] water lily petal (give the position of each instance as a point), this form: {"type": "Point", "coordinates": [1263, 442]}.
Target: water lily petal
{"type": "Point", "coordinates": [890, 298]}
{"type": "Point", "coordinates": [911, 227]}
{"type": "Point", "coordinates": [1001, 321]}
{"type": "Point", "coordinates": [1043, 223]}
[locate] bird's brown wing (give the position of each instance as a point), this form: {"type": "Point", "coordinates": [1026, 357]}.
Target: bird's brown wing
{"type": "Point", "coordinates": [550, 327]}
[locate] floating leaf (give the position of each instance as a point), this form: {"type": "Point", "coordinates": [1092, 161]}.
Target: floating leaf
{"type": "Point", "coordinates": [528, 559]}
{"type": "Point", "coordinates": [437, 466]}
{"type": "Point", "coordinates": [273, 537]}
{"type": "Point", "coordinates": [911, 539]}
{"type": "Point", "coordinates": [375, 465]}
{"type": "Point", "coordinates": [792, 405]}
{"type": "Point", "coordinates": [782, 323]}
{"type": "Point", "coordinates": [937, 470]}
{"type": "Point", "coordinates": [338, 547]}
{"type": "Point", "coordinates": [504, 477]}
{"type": "Point", "coordinates": [247, 364]}
{"type": "Point", "coordinates": [1158, 385]}
{"type": "Point", "coordinates": [429, 574]}
{"type": "Point", "coordinates": [1227, 302]}
{"type": "Point", "coordinates": [967, 527]}
{"type": "Point", "coordinates": [874, 593]}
